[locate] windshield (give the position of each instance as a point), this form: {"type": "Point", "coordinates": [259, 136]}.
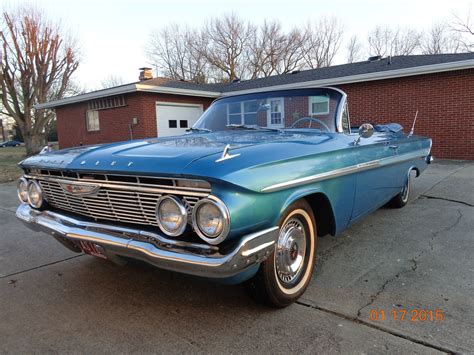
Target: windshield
{"type": "Point", "coordinates": [290, 109]}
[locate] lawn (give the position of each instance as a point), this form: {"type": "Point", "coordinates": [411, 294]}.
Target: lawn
{"type": "Point", "coordinates": [9, 158]}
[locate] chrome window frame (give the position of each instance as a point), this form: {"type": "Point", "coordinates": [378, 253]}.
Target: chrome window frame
{"type": "Point", "coordinates": [338, 116]}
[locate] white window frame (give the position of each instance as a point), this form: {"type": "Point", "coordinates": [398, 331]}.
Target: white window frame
{"type": "Point", "coordinates": [242, 113]}
{"type": "Point", "coordinates": [269, 112]}
{"type": "Point", "coordinates": [310, 109]}
{"type": "Point", "coordinates": [92, 127]}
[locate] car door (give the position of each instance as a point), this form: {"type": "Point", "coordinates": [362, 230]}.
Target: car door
{"type": "Point", "coordinates": [376, 181]}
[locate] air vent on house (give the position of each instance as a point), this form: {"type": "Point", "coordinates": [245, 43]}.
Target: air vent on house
{"type": "Point", "coordinates": [375, 58]}
{"type": "Point", "coordinates": [107, 102]}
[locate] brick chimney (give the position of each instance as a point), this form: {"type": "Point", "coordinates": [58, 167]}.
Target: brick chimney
{"type": "Point", "coordinates": [145, 74]}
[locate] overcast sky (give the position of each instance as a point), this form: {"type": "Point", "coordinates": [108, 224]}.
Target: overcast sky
{"type": "Point", "coordinates": [114, 34]}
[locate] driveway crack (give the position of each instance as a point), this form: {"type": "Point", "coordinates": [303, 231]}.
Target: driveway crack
{"type": "Point", "coordinates": [413, 267]}
{"type": "Point", "coordinates": [446, 199]}
{"type": "Point", "coordinates": [382, 288]}
{"type": "Point", "coordinates": [40, 266]}
{"type": "Point", "coordinates": [378, 327]}
{"type": "Point", "coordinates": [7, 210]}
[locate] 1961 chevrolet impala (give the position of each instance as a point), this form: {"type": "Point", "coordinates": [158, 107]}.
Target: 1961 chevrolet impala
{"type": "Point", "coordinates": [241, 197]}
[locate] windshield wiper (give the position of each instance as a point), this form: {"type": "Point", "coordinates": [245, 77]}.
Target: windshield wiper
{"type": "Point", "coordinates": [195, 129]}
{"type": "Point", "coordinates": [243, 126]}
{"type": "Point", "coordinates": [240, 126]}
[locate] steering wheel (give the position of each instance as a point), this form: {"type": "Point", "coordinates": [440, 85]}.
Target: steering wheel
{"type": "Point", "coordinates": [310, 119]}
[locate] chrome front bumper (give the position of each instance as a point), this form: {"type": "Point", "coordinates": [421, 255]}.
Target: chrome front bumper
{"type": "Point", "coordinates": [113, 241]}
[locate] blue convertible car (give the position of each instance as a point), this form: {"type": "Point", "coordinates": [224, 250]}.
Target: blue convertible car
{"type": "Point", "coordinates": [241, 197]}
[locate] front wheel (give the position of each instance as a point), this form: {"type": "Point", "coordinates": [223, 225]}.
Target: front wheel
{"type": "Point", "coordinates": [285, 275]}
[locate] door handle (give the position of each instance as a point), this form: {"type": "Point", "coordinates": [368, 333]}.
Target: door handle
{"type": "Point", "coordinates": [393, 146]}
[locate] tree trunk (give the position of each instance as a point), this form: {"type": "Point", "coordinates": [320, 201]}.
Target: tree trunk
{"type": "Point", "coordinates": [34, 142]}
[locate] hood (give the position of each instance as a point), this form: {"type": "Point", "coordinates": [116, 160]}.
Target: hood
{"type": "Point", "coordinates": [190, 155]}
{"type": "Point", "coordinates": [168, 156]}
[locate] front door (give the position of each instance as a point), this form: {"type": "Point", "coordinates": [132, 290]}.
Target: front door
{"type": "Point", "coordinates": [173, 119]}
{"type": "Point", "coordinates": [379, 182]}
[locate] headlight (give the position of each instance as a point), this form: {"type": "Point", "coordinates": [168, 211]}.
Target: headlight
{"type": "Point", "coordinates": [35, 194]}
{"type": "Point", "coordinates": [22, 190]}
{"type": "Point", "coordinates": [211, 220]}
{"type": "Point", "coordinates": [171, 215]}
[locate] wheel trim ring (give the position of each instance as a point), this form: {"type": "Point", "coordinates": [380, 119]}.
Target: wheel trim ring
{"type": "Point", "coordinates": [307, 270]}
{"type": "Point", "coordinates": [406, 191]}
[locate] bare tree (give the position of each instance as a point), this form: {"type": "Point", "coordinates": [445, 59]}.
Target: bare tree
{"type": "Point", "coordinates": [111, 81]}
{"type": "Point", "coordinates": [440, 39]}
{"type": "Point", "coordinates": [37, 64]}
{"type": "Point", "coordinates": [224, 44]}
{"type": "Point", "coordinates": [273, 51]}
{"type": "Point", "coordinates": [322, 41]}
{"type": "Point", "coordinates": [385, 41]}
{"type": "Point", "coordinates": [173, 52]}
{"type": "Point", "coordinates": [292, 56]}
{"type": "Point", "coordinates": [464, 27]}
{"type": "Point", "coordinates": [354, 50]}
{"type": "Point", "coordinates": [227, 48]}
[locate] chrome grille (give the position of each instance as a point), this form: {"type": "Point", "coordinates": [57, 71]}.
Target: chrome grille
{"type": "Point", "coordinates": [122, 201]}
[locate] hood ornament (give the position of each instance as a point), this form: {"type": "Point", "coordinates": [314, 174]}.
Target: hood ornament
{"type": "Point", "coordinates": [46, 149]}
{"type": "Point", "coordinates": [226, 155]}
{"type": "Point", "coordinates": [79, 189]}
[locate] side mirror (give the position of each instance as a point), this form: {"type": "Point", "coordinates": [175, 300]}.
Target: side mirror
{"type": "Point", "coordinates": [366, 130]}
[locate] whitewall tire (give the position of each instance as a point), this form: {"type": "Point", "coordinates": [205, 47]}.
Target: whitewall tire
{"type": "Point", "coordinates": [285, 275]}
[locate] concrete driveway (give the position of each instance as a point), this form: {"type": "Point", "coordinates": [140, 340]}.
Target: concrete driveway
{"type": "Point", "coordinates": [416, 258]}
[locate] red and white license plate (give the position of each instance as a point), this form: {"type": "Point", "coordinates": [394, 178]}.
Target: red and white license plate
{"type": "Point", "coordinates": [91, 249]}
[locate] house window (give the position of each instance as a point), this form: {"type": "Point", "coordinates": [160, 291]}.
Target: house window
{"type": "Point", "coordinates": [250, 112]}
{"type": "Point", "coordinates": [319, 105]}
{"type": "Point", "coordinates": [242, 112]}
{"type": "Point", "coordinates": [172, 124]}
{"type": "Point", "coordinates": [234, 113]}
{"type": "Point", "coordinates": [92, 120]}
{"type": "Point", "coordinates": [275, 113]}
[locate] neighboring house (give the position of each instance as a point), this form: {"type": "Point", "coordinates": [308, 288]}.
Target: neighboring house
{"type": "Point", "coordinates": [380, 90]}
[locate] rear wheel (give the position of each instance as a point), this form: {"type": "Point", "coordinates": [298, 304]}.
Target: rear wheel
{"type": "Point", "coordinates": [401, 199]}
{"type": "Point", "coordinates": [285, 275]}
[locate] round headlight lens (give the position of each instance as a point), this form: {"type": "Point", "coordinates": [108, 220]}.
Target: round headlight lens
{"type": "Point", "coordinates": [171, 215]}
{"type": "Point", "coordinates": [35, 194]}
{"type": "Point", "coordinates": [22, 190]}
{"type": "Point", "coordinates": [211, 220]}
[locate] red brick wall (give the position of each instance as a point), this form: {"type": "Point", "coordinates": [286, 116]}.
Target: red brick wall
{"type": "Point", "coordinates": [114, 123]}
{"type": "Point", "coordinates": [445, 104]}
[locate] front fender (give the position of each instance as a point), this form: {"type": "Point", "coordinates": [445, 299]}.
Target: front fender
{"type": "Point", "coordinates": [250, 210]}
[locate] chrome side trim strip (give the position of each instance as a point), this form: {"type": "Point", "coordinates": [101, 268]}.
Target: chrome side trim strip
{"type": "Point", "coordinates": [373, 164]}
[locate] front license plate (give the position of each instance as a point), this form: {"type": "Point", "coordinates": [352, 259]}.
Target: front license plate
{"type": "Point", "coordinates": [91, 249]}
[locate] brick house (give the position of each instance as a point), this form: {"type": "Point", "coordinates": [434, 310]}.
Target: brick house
{"type": "Point", "coordinates": [380, 90]}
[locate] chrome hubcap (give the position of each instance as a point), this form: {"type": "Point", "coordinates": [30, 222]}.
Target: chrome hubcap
{"type": "Point", "coordinates": [290, 251]}
{"type": "Point", "coordinates": [406, 190]}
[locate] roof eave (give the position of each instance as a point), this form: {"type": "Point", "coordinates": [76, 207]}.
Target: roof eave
{"type": "Point", "coordinates": [88, 96]}
{"type": "Point", "coordinates": [177, 91]}
{"type": "Point", "coordinates": [389, 74]}
{"type": "Point", "coordinates": [124, 90]}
